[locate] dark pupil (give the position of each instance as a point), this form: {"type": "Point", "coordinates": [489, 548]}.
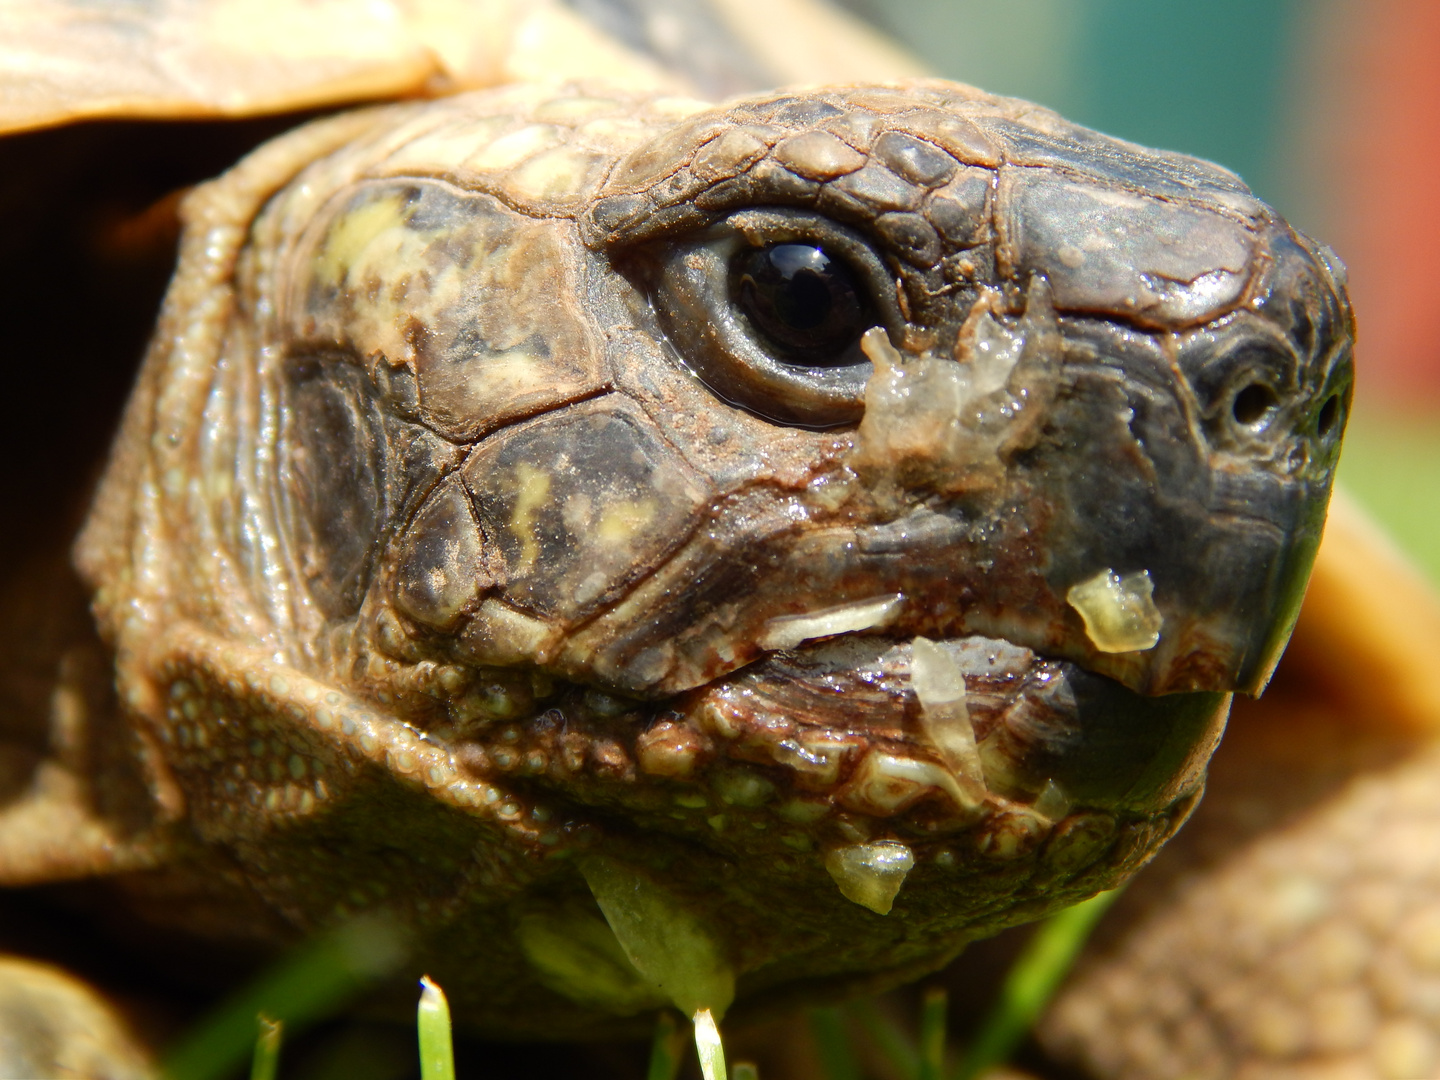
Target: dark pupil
{"type": "Point", "coordinates": [806, 303]}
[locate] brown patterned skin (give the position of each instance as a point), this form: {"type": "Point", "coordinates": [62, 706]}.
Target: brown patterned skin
{"type": "Point", "coordinates": [432, 553]}
{"type": "Point", "coordinates": [1304, 941]}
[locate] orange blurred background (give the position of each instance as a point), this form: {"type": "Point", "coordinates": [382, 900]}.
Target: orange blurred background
{"type": "Point", "coordinates": [1372, 87]}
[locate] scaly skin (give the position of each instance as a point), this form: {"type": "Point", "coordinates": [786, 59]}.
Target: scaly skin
{"type": "Point", "coordinates": [443, 579]}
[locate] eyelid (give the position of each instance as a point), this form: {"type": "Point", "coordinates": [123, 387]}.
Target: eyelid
{"type": "Point", "coordinates": [690, 293]}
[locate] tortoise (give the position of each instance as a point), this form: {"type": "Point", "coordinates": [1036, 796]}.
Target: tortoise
{"type": "Point", "coordinates": [591, 526]}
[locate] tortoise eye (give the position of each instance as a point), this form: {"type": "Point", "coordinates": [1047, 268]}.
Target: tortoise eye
{"type": "Point", "coordinates": [806, 302]}
{"type": "Point", "coordinates": [767, 308]}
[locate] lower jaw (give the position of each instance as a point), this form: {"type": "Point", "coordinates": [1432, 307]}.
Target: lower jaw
{"type": "Point", "coordinates": [781, 765]}
{"type": "Point", "coordinates": [783, 801]}
{"type": "Point", "coordinates": [842, 720]}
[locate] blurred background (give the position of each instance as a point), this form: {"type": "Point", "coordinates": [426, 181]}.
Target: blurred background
{"type": "Point", "coordinates": [1330, 111]}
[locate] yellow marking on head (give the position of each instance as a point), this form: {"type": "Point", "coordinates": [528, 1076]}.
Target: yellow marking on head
{"type": "Point", "coordinates": [618, 134]}
{"type": "Point", "coordinates": [534, 493]}
{"type": "Point", "coordinates": [438, 151]}
{"type": "Point", "coordinates": [563, 171]}
{"type": "Point", "coordinates": [503, 376]}
{"type": "Point", "coordinates": [623, 521]}
{"type": "Point", "coordinates": [679, 108]}
{"type": "Point", "coordinates": [510, 150]}
{"type": "Point", "coordinates": [354, 231]}
{"type": "Point", "coordinates": [572, 110]}
{"type": "Point", "coordinates": [511, 637]}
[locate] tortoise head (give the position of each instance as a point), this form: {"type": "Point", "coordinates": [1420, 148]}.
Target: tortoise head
{"type": "Point", "coordinates": [1101, 420]}
{"type": "Point", "coordinates": [898, 470]}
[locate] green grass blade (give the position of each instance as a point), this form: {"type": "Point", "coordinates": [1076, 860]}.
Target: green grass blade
{"type": "Point", "coordinates": [744, 1070]}
{"type": "Point", "coordinates": [437, 1050]}
{"type": "Point", "coordinates": [1032, 981]}
{"type": "Point", "coordinates": [933, 1010]}
{"type": "Point", "coordinates": [666, 1048]}
{"type": "Point", "coordinates": [316, 980]}
{"type": "Point", "coordinates": [709, 1046]}
{"type": "Point", "coordinates": [267, 1049]}
{"type": "Point", "coordinates": [833, 1046]}
{"type": "Point", "coordinates": [892, 1042]}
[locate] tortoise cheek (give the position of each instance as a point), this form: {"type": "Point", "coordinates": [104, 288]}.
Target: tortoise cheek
{"type": "Point", "coordinates": [580, 503]}
{"type": "Point", "coordinates": [440, 571]}
{"type": "Point", "coordinates": [481, 304]}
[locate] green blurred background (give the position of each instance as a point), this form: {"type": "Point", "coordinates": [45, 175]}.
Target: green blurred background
{"type": "Point", "coordinates": [1206, 76]}
{"type": "Point", "coordinates": [1330, 110]}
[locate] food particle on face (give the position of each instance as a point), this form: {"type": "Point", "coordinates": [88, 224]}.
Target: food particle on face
{"type": "Point", "coordinates": [871, 874]}
{"type": "Point", "coordinates": [1119, 611]}
{"type": "Point", "coordinates": [787, 631]}
{"type": "Point", "coordinates": [939, 683]}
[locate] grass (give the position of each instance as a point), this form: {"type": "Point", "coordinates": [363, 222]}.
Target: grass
{"type": "Point", "coordinates": [322, 978]}
{"type": "Point", "coordinates": [666, 1048]}
{"type": "Point", "coordinates": [837, 1059]}
{"type": "Point", "coordinates": [437, 1048]}
{"type": "Point", "coordinates": [266, 1062]}
{"type": "Point", "coordinates": [316, 981]}
{"type": "Point", "coordinates": [1031, 983]}
{"type": "Point", "coordinates": [930, 1061]}
{"type": "Point", "coordinates": [709, 1046]}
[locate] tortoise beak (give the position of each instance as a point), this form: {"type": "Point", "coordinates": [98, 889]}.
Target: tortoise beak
{"type": "Point", "coordinates": [1215, 576]}
{"type": "Point", "coordinates": [1212, 477]}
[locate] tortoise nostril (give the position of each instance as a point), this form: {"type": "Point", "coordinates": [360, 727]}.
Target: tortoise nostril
{"type": "Point", "coordinates": [1253, 403]}
{"type": "Point", "coordinates": [1329, 413]}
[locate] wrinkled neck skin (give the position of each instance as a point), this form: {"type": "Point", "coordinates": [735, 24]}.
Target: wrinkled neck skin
{"type": "Point", "coordinates": [455, 473]}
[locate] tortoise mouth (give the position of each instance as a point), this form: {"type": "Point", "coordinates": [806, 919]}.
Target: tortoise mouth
{"type": "Point", "coordinates": [852, 717]}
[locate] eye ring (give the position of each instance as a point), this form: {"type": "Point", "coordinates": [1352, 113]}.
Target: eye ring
{"type": "Point", "coordinates": [720, 342]}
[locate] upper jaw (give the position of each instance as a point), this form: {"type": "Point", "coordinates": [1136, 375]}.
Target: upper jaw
{"type": "Point", "coordinates": [1222, 591]}
{"type": "Point", "coordinates": [967, 504]}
